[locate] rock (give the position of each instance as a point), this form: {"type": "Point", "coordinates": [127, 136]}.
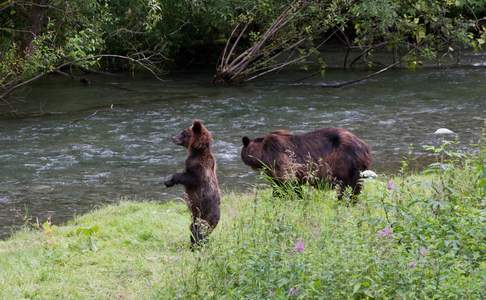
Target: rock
{"type": "Point", "coordinates": [368, 174]}
{"type": "Point", "coordinates": [444, 131]}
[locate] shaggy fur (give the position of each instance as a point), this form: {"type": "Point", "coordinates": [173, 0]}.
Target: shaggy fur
{"type": "Point", "coordinates": [199, 179]}
{"type": "Point", "coordinates": [334, 155]}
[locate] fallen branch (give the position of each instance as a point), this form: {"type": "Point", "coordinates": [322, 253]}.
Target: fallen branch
{"type": "Point", "coordinates": [366, 51]}
{"type": "Point", "coordinates": [109, 108]}
{"type": "Point", "coordinates": [91, 71]}
{"type": "Point", "coordinates": [248, 64]}
{"type": "Point", "coordinates": [277, 67]}
{"type": "Point", "coordinates": [23, 115]}
{"type": "Point", "coordinates": [12, 88]}
{"type": "Point", "coordinates": [345, 83]}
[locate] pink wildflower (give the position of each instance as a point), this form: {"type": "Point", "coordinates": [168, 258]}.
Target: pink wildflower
{"type": "Point", "coordinates": [299, 246]}
{"type": "Point", "coordinates": [390, 185]}
{"type": "Point", "coordinates": [293, 291]}
{"type": "Point", "coordinates": [385, 232]}
{"type": "Point", "coordinates": [412, 264]}
{"type": "Point", "coordinates": [423, 251]}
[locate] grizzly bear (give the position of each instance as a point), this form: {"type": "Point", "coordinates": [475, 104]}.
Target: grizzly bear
{"type": "Point", "coordinates": [332, 155]}
{"type": "Point", "coordinates": [199, 179]}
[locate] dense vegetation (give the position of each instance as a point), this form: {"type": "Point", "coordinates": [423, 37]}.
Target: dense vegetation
{"type": "Point", "coordinates": [411, 236]}
{"type": "Point", "coordinates": [41, 36]}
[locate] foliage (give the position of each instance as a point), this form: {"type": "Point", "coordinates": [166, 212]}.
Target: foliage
{"type": "Point", "coordinates": [411, 30]}
{"type": "Point", "coordinates": [419, 29]}
{"type": "Point", "coordinates": [411, 236]}
{"type": "Point", "coordinates": [157, 31]}
{"type": "Point", "coordinates": [67, 30]}
{"type": "Point", "coordinates": [37, 36]}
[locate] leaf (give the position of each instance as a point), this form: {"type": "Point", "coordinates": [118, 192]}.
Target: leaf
{"type": "Point", "coordinates": [420, 34]}
{"type": "Point", "coordinates": [46, 226]}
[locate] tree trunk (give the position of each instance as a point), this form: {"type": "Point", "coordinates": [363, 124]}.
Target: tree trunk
{"type": "Point", "coordinates": [36, 18]}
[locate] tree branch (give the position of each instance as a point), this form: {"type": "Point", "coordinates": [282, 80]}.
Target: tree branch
{"type": "Point", "coordinates": [12, 88]}
{"type": "Point", "coordinates": [345, 83]}
{"type": "Point", "coordinates": [366, 51]}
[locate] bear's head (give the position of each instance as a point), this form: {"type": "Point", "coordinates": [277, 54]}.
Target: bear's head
{"type": "Point", "coordinates": [195, 136]}
{"type": "Point", "coordinates": [252, 152]}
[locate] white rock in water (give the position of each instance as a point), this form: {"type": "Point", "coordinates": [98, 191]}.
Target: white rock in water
{"type": "Point", "coordinates": [444, 131]}
{"type": "Point", "coordinates": [368, 174]}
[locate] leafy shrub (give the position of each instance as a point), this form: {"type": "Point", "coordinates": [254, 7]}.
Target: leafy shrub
{"type": "Point", "coordinates": [421, 237]}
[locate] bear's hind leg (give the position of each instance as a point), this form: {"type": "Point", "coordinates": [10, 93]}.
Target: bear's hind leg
{"type": "Point", "coordinates": [197, 236]}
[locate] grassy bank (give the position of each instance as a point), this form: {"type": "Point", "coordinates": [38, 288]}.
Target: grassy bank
{"type": "Point", "coordinates": [416, 236]}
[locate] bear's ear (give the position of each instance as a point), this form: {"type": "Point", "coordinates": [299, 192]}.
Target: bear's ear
{"type": "Point", "coordinates": [197, 127]}
{"type": "Point", "coordinates": [245, 141]}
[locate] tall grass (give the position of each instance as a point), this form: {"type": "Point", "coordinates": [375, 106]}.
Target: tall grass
{"type": "Point", "coordinates": [411, 236]}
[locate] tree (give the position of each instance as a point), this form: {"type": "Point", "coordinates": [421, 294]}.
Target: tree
{"type": "Point", "coordinates": [252, 38]}
{"type": "Point", "coordinates": [412, 30]}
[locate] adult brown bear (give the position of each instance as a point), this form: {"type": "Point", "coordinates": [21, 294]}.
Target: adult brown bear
{"type": "Point", "coordinates": [199, 179]}
{"type": "Point", "coordinates": [334, 155]}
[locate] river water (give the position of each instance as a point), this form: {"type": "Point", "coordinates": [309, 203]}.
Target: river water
{"type": "Point", "coordinates": [111, 140]}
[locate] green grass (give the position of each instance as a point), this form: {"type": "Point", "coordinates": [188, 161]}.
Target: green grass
{"type": "Point", "coordinates": [141, 250]}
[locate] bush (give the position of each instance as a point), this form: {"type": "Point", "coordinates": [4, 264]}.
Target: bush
{"type": "Point", "coordinates": [412, 237]}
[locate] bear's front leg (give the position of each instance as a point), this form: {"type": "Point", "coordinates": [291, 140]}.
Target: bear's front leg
{"type": "Point", "coordinates": [169, 182]}
{"type": "Point", "coordinates": [172, 180]}
{"type": "Point", "coordinates": [180, 178]}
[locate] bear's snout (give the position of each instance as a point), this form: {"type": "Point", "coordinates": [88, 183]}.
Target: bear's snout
{"type": "Point", "coordinates": [176, 140]}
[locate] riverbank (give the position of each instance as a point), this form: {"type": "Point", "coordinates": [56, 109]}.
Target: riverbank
{"type": "Point", "coordinates": [92, 153]}
{"type": "Point", "coordinates": [415, 236]}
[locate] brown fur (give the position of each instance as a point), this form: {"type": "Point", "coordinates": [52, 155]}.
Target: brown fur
{"type": "Point", "coordinates": [199, 179]}
{"type": "Point", "coordinates": [331, 154]}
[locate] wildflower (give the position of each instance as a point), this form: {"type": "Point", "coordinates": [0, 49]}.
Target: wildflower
{"type": "Point", "coordinates": [385, 232]}
{"type": "Point", "coordinates": [390, 185]}
{"type": "Point", "coordinates": [299, 246]}
{"type": "Point", "coordinates": [293, 291]}
{"type": "Point", "coordinates": [412, 264]}
{"type": "Point", "coordinates": [423, 251]}
{"type": "Point", "coordinates": [271, 293]}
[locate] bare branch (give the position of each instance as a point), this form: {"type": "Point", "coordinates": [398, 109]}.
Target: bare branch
{"type": "Point", "coordinates": [277, 67]}
{"type": "Point", "coordinates": [366, 51]}
{"type": "Point", "coordinates": [249, 63]}
{"type": "Point", "coordinates": [236, 43]}
{"type": "Point", "coordinates": [10, 89]}
{"type": "Point", "coordinates": [345, 83]}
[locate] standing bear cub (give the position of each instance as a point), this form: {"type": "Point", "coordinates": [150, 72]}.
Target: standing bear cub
{"type": "Point", "coordinates": [199, 179]}
{"type": "Point", "coordinates": [334, 155]}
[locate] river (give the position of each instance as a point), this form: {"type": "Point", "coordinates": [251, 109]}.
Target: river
{"type": "Point", "coordinates": [111, 140]}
